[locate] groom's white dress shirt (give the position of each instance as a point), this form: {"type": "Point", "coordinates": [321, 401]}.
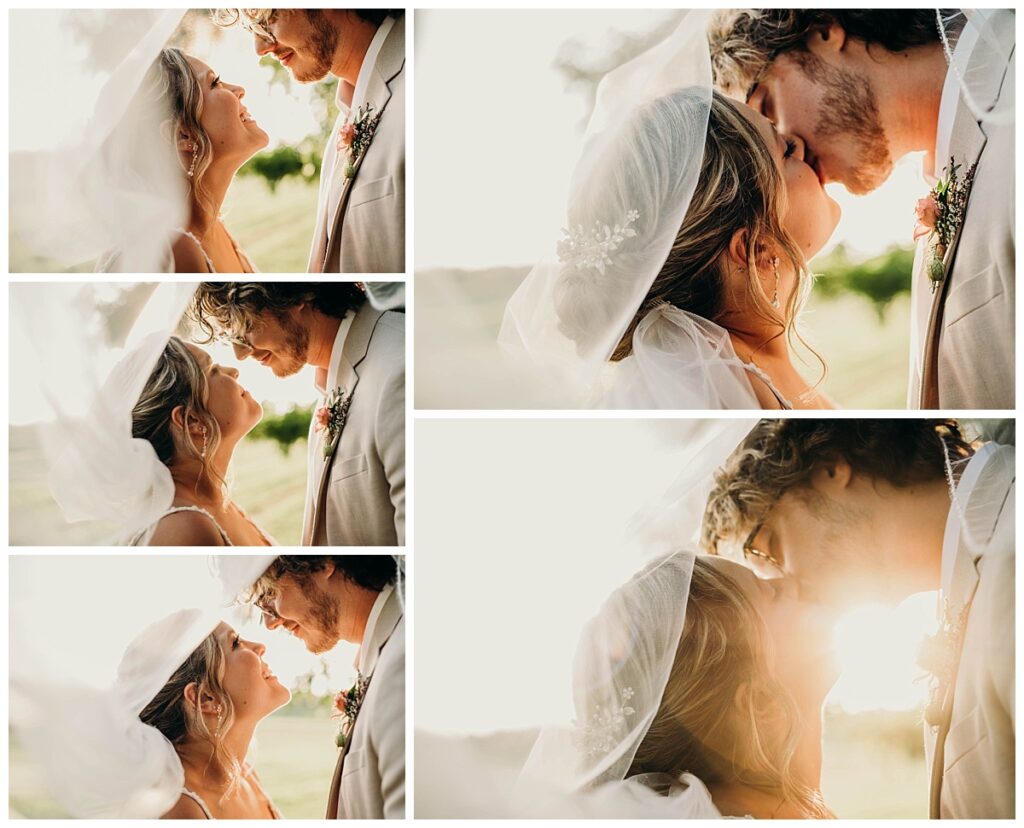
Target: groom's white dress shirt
{"type": "Point", "coordinates": [356, 496]}
{"type": "Point", "coordinates": [361, 219]}
{"type": "Point", "coordinates": [962, 335]}
{"type": "Point", "coordinates": [970, 752]}
{"type": "Point", "coordinates": [369, 780]}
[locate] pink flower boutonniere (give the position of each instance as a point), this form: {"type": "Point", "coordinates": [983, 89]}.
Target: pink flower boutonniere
{"type": "Point", "coordinates": [939, 216]}
{"type": "Point", "coordinates": [331, 417]}
{"type": "Point", "coordinates": [346, 708]}
{"type": "Point", "coordinates": [355, 136]}
{"type": "Point", "coordinates": [940, 656]}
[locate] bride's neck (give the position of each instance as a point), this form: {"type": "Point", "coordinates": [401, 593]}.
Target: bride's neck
{"type": "Point", "coordinates": [197, 482]}
{"type": "Point", "coordinates": [197, 755]}
{"type": "Point", "coordinates": [205, 213]}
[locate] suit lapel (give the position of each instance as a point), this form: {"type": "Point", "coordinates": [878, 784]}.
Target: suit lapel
{"type": "Point", "coordinates": [979, 519]}
{"type": "Point", "coordinates": [385, 627]}
{"type": "Point", "coordinates": [967, 145]}
{"type": "Point", "coordinates": [390, 62]}
{"type": "Point", "coordinates": [984, 81]}
{"type": "Point", "coordinates": [357, 343]}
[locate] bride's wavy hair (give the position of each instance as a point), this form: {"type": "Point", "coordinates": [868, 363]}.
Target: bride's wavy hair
{"type": "Point", "coordinates": [722, 660]}
{"type": "Point", "coordinates": [739, 187]}
{"type": "Point", "coordinates": [177, 380]}
{"type": "Point", "coordinates": [177, 84]}
{"type": "Point", "coordinates": [181, 721]}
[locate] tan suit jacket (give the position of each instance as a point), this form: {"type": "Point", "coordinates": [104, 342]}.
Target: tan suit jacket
{"type": "Point", "coordinates": [361, 220]}
{"type": "Point", "coordinates": [369, 779]}
{"type": "Point", "coordinates": [356, 496]}
{"type": "Point", "coordinates": [971, 751]}
{"type": "Point", "coordinates": [963, 349]}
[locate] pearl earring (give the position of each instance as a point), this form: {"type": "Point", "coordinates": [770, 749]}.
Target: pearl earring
{"type": "Point", "coordinates": [775, 297]}
{"type": "Point", "coordinates": [195, 157]}
{"type": "Point", "coordinates": [203, 455]}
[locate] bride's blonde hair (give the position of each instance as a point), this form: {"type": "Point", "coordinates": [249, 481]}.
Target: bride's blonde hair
{"type": "Point", "coordinates": [177, 380]}
{"type": "Point", "coordinates": [182, 721]}
{"type": "Point", "coordinates": [184, 97]}
{"type": "Point", "coordinates": [723, 717]}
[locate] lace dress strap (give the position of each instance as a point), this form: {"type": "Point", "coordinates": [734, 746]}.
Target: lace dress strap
{"type": "Point", "coordinates": [199, 244]}
{"type": "Point", "coordinates": [143, 538]}
{"type": "Point", "coordinates": [198, 800]}
{"type": "Point", "coordinates": [762, 375]}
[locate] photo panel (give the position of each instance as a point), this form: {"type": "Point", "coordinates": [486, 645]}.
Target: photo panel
{"type": "Point", "coordinates": [208, 141]}
{"type": "Point", "coordinates": [215, 687]}
{"type": "Point", "coordinates": [209, 414]}
{"type": "Point", "coordinates": [709, 617]}
{"type": "Point", "coordinates": [688, 209]}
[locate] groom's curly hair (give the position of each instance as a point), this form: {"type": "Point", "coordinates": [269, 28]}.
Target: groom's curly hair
{"type": "Point", "coordinates": [778, 456]}
{"type": "Point", "coordinates": [227, 310]}
{"type": "Point", "coordinates": [226, 18]}
{"type": "Point", "coordinates": [744, 42]}
{"type": "Point", "coordinates": [372, 572]}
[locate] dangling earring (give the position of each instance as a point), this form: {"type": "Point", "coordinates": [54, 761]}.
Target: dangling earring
{"type": "Point", "coordinates": [775, 296]}
{"type": "Point", "coordinates": [220, 718]}
{"type": "Point", "coordinates": [195, 157]}
{"type": "Point", "coordinates": [203, 455]}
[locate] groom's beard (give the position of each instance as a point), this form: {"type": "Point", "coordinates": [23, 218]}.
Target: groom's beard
{"type": "Point", "coordinates": [849, 109]}
{"type": "Point", "coordinates": [319, 48]}
{"type": "Point", "coordinates": [292, 357]}
{"type": "Point", "coordinates": [325, 613]}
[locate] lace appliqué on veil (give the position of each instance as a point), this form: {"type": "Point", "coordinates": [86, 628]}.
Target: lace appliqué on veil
{"type": "Point", "coordinates": [580, 250]}
{"type": "Point", "coordinates": [603, 730]}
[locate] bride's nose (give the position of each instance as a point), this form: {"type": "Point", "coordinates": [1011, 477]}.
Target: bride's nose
{"type": "Point", "coordinates": [231, 372]}
{"type": "Point", "coordinates": [258, 648]}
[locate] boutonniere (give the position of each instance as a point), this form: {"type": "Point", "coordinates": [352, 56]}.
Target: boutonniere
{"type": "Point", "coordinates": [331, 416]}
{"type": "Point", "coordinates": [939, 216]}
{"type": "Point", "coordinates": [355, 136]}
{"type": "Point", "coordinates": [346, 708]}
{"type": "Point", "coordinates": [939, 656]}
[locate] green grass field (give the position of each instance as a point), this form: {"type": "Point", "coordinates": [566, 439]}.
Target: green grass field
{"type": "Point", "coordinates": [293, 756]}
{"type": "Point", "coordinates": [269, 485]}
{"type": "Point", "coordinates": [458, 314]}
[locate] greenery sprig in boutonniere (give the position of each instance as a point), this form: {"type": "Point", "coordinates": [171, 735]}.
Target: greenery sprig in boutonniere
{"type": "Point", "coordinates": [940, 655]}
{"type": "Point", "coordinates": [331, 416]}
{"type": "Point", "coordinates": [355, 136]}
{"type": "Point", "coordinates": [939, 216]}
{"type": "Point", "coordinates": [346, 708]}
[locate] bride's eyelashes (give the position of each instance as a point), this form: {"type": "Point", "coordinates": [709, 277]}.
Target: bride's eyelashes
{"type": "Point", "coordinates": [215, 82]}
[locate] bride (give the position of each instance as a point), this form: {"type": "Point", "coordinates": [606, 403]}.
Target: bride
{"type": "Point", "coordinates": [193, 412]}
{"type": "Point", "coordinates": [214, 135]}
{"type": "Point", "coordinates": [696, 680]}
{"type": "Point", "coordinates": [683, 265]}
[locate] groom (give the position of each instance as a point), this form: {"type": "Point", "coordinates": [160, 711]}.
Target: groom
{"type": "Point", "coordinates": [355, 487]}
{"type": "Point", "coordinates": [324, 599]}
{"type": "Point", "coordinates": [863, 89]}
{"type": "Point", "coordinates": [360, 224]}
{"type": "Point", "coordinates": [861, 510]}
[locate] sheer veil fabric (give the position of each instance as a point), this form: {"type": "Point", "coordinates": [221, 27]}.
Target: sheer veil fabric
{"type": "Point", "coordinates": [626, 206]}
{"type": "Point", "coordinates": [106, 191]}
{"type": "Point", "coordinates": [87, 352]}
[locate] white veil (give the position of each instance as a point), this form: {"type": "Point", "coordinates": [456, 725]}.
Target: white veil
{"type": "Point", "coordinates": [628, 199]}
{"type": "Point", "coordinates": [84, 353]}
{"type": "Point", "coordinates": [104, 191]}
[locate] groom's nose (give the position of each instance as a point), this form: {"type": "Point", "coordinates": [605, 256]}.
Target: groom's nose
{"type": "Point", "coordinates": [263, 47]}
{"type": "Point", "coordinates": [241, 351]}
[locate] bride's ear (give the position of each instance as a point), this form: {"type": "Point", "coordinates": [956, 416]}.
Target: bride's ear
{"type": "Point", "coordinates": [207, 704]}
{"type": "Point", "coordinates": [178, 421]}
{"type": "Point", "coordinates": [736, 253]}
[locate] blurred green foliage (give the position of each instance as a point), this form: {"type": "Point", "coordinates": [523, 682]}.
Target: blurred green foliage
{"type": "Point", "coordinates": [286, 428]}
{"type": "Point", "coordinates": [880, 279]}
{"type": "Point", "coordinates": [302, 160]}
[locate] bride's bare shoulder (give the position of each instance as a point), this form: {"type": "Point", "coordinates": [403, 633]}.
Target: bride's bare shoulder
{"type": "Point", "coordinates": [185, 808]}
{"type": "Point", "coordinates": [186, 528]}
{"type": "Point", "coordinates": [188, 255]}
